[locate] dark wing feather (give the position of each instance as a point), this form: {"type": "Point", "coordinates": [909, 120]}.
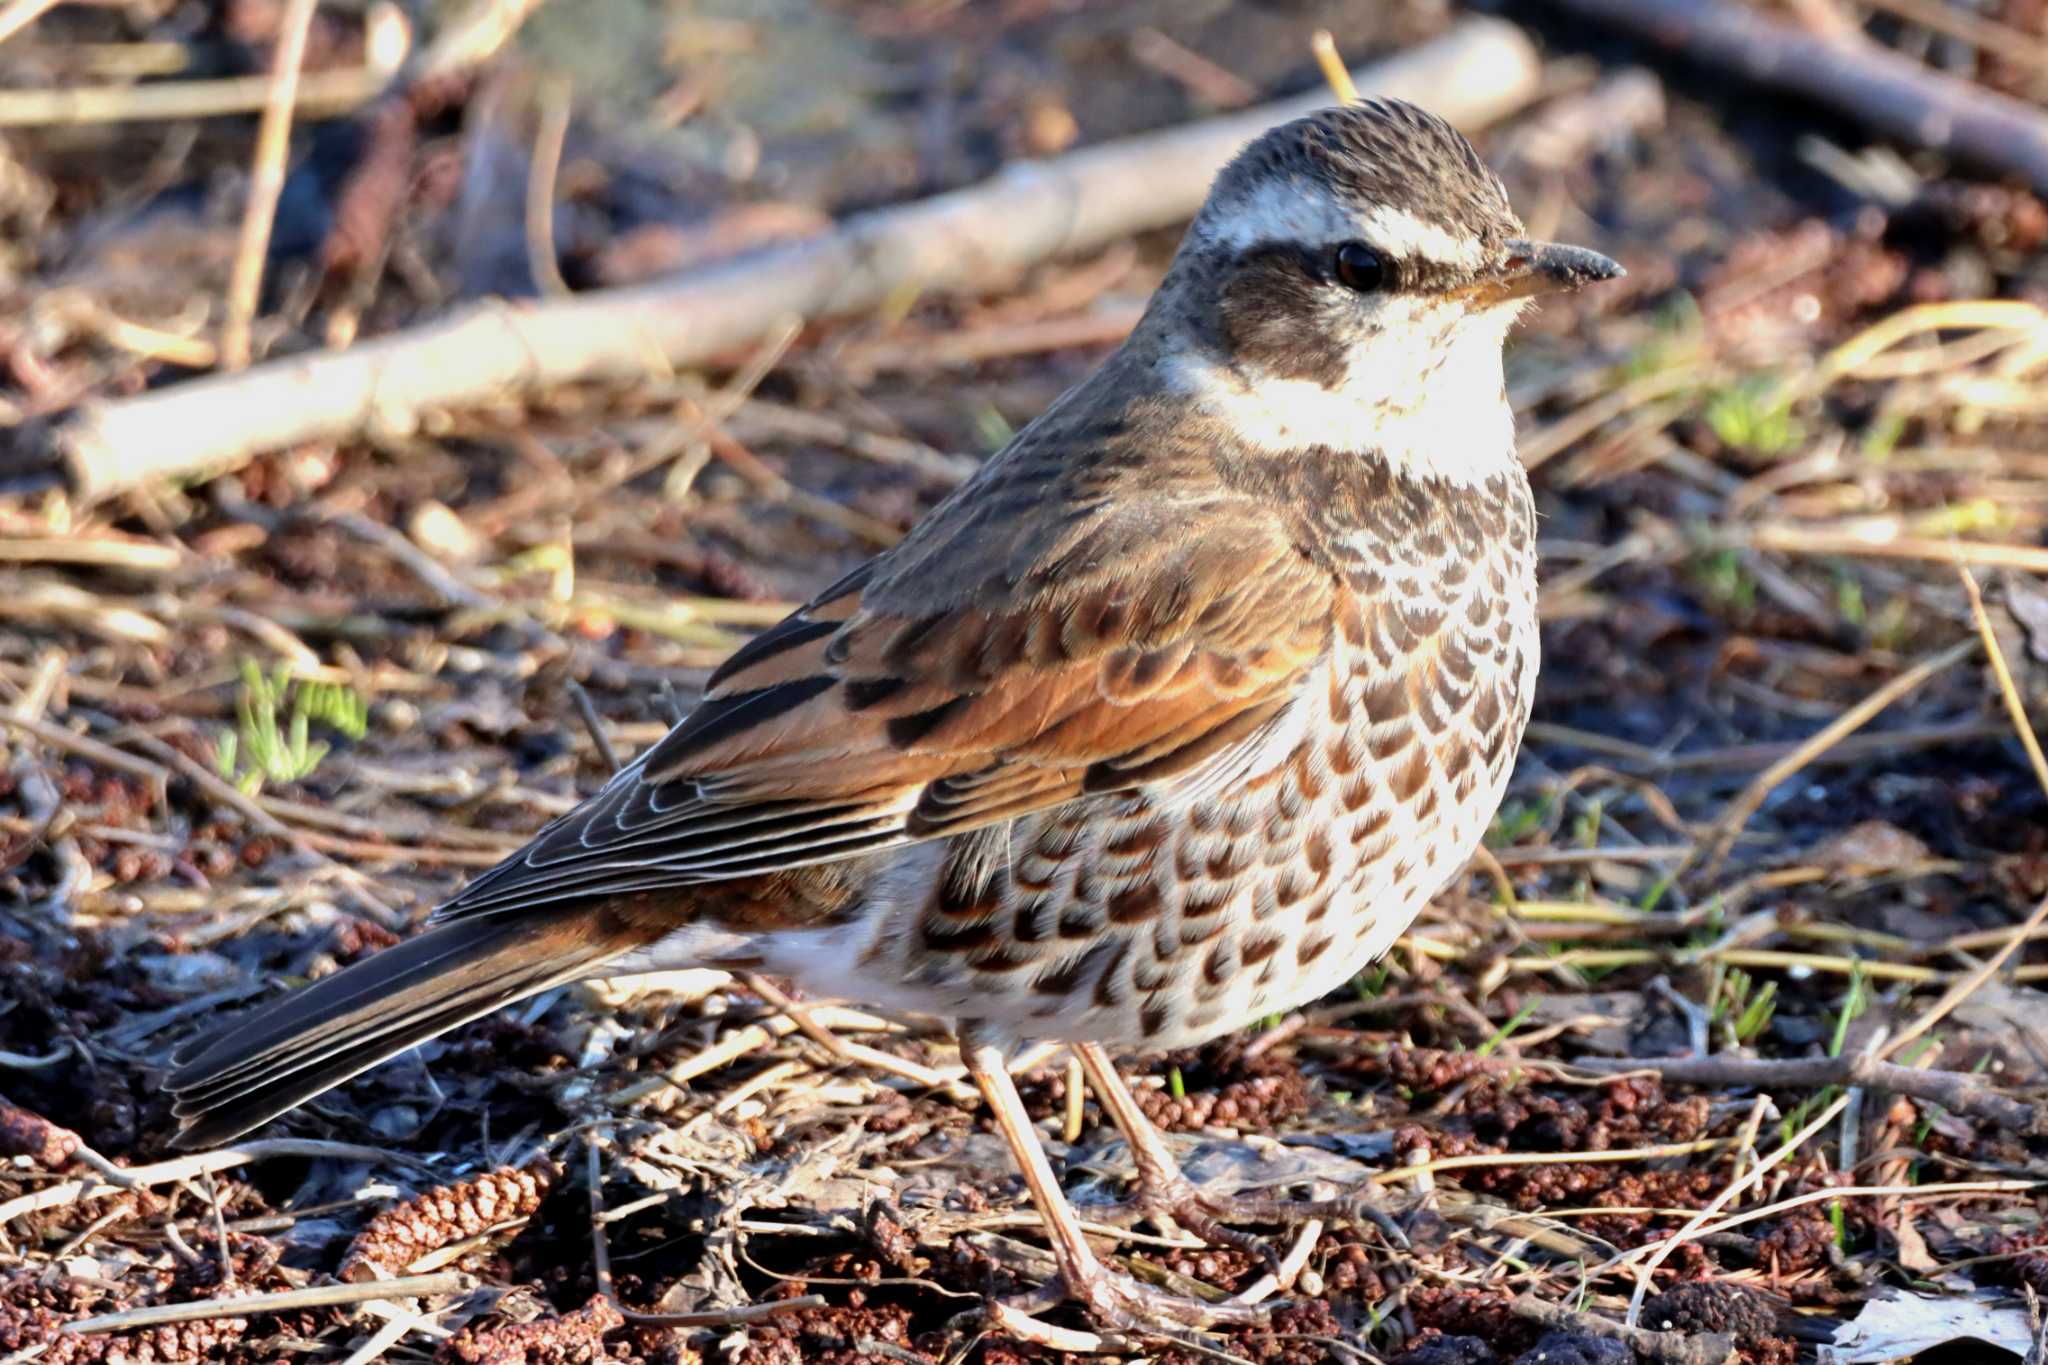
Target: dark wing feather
{"type": "Point", "coordinates": [923, 696]}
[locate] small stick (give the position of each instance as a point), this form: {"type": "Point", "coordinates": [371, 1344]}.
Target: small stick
{"type": "Point", "coordinates": [2003, 39]}
{"type": "Point", "coordinates": [112, 1178]}
{"type": "Point", "coordinates": [857, 1054]}
{"type": "Point", "coordinates": [1882, 90]}
{"type": "Point", "coordinates": [1834, 1192]}
{"type": "Point", "coordinates": [741, 1316]}
{"type": "Point", "coordinates": [438, 577]}
{"type": "Point", "coordinates": [1423, 1171]}
{"type": "Point", "coordinates": [284, 1300]}
{"type": "Point", "coordinates": [1959, 1091]}
{"type": "Point", "coordinates": [595, 725]}
{"type": "Point", "coordinates": [1077, 1099]}
{"type": "Point", "coordinates": [1291, 1266]}
{"type": "Point", "coordinates": [540, 188]}
{"type": "Point", "coordinates": [600, 1246]}
{"type": "Point", "coordinates": [2014, 705]}
{"type": "Point", "coordinates": [1206, 80]}
{"type": "Point", "coordinates": [88, 748]}
{"type": "Point", "coordinates": [1968, 985]}
{"type": "Point", "coordinates": [322, 94]}
{"type": "Point", "coordinates": [1335, 73]}
{"type": "Point", "coordinates": [1745, 805]}
{"type": "Point", "coordinates": [382, 1340]}
{"type": "Point", "coordinates": [266, 181]}
{"type": "Point", "coordinates": [1017, 1323]}
{"type": "Point", "coordinates": [220, 1233]}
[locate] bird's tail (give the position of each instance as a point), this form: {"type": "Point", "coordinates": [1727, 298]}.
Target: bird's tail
{"type": "Point", "coordinates": [273, 1058]}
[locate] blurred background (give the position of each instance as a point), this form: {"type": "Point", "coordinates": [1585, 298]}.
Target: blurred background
{"type": "Point", "coordinates": [296, 632]}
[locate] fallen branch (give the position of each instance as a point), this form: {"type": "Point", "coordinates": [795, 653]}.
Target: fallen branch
{"type": "Point", "coordinates": [1893, 94]}
{"type": "Point", "coordinates": [1473, 75]}
{"type": "Point", "coordinates": [1957, 1091]}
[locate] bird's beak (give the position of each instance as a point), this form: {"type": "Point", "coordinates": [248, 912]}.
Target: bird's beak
{"type": "Point", "coordinates": [1532, 268]}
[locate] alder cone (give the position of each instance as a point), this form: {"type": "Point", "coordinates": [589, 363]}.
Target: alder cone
{"type": "Point", "coordinates": [400, 1235]}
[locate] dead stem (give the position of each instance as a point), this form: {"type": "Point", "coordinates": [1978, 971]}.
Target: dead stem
{"type": "Point", "coordinates": [266, 181]}
{"type": "Point", "coordinates": [1715, 847]}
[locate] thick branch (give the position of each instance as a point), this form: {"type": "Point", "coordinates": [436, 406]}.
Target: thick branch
{"type": "Point", "coordinates": [1893, 94]}
{"type": "Point", "coordinates": [1473, 75]}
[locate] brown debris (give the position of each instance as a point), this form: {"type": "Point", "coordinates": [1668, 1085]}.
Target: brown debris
{"type": "Point", "coordinates": [1733, 1310]}
{"type": "Point", "coordinates": [1487, 1314]}
{"type": "Point", "coordinates": [33, 1310]}
{"type": "Point", "coordinates": [1256, 1101]}
{"type": "Point", "coordinates": [858, 1334]}
{"type": "Point", "coordinates": [369, 200]}
{"type": "Point", "coordinates": [569, 1339]}
{"type": "Point", "coordinates": [400, 1235]}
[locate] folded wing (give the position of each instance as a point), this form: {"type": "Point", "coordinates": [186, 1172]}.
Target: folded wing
{"type": "Point", "coordinates": [913, 700]}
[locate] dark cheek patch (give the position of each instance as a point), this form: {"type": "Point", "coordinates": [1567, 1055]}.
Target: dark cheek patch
{"type": "Point", "coordinates": [1270, 313]}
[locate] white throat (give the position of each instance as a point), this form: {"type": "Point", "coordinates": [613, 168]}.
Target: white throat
{"type": "Point", "coordinates": [1429, 405]}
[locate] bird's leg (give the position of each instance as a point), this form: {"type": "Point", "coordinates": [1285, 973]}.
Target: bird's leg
{"type": "Point", "coordinates": [1116, 1298]}
{"type": "Point", "coordinates": [1163, 1189]}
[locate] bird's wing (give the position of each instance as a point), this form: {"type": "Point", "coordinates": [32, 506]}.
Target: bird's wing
{"type": "Point", "coordinates": [972, 679]}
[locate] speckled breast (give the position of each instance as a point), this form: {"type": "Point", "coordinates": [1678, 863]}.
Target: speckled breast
{"type": "Point", "coordinates": [1165, 916]}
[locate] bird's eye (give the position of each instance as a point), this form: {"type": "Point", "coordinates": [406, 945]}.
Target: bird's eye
{"type": "Point", "coordinates": [1361, 268]}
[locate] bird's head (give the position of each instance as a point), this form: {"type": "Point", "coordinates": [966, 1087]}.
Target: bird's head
{"type": "Point", "coordinates": [1360, 266]}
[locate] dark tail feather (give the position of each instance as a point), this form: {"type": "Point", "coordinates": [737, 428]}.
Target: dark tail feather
{"type": "Point", "coordinates": [278, 1056]}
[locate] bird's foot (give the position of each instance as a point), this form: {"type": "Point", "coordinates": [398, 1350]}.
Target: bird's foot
{"type": "Point", "coordinates": [1123, 1306]}
{"type": "Point", "coordinates": [1211, 1216]}
{"type": "Point", "coordinates": [1363, 1204]}
{"type": "Point", "coordinates": [1173, 1201]}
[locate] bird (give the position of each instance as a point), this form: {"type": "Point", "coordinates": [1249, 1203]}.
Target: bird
{"type": "Point", "coordinates": [1172, 716]}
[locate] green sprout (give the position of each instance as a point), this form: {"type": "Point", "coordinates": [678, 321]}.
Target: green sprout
{"type": "Point", "coordinates": [1726, 581]}
{"type": "Point", "coordinates": [1742, 1008]}
{"type": "Point", "coordinates": [1677, 338]}
{"type": "Point", "coordinates": [1849, 600]}
{"type": "Point", "coordinates": [1371, 983]}
{"type": "Point", "coordinates": [1507, 1030]}
{"type": "Point", "coordinates": [1882, 436]}
{"type": "Point", "coordinates": [1516, 820]}
{"type": "Point", "coordinates": [1586, 829]}
{"type": "Point", "coordinates": [272, 739]}
{"type": "Point", "coordinates": [1853, 1004]}
{"type": "Point", "coordinates": [1750, 415]}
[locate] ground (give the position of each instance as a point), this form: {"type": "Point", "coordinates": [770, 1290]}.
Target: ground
{"type": "Point", "coordinates": [1776, 807]}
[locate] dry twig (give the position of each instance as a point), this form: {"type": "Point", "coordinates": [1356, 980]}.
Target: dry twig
{"type": "Point", "coordinates": [1961, 1092]}
{"type": "Point", "coordinates": [283, 1301]}
{"type": "Point", "coordinates": [266, 181]}
{"type": "Point", "coordinates": [1714, 850]}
